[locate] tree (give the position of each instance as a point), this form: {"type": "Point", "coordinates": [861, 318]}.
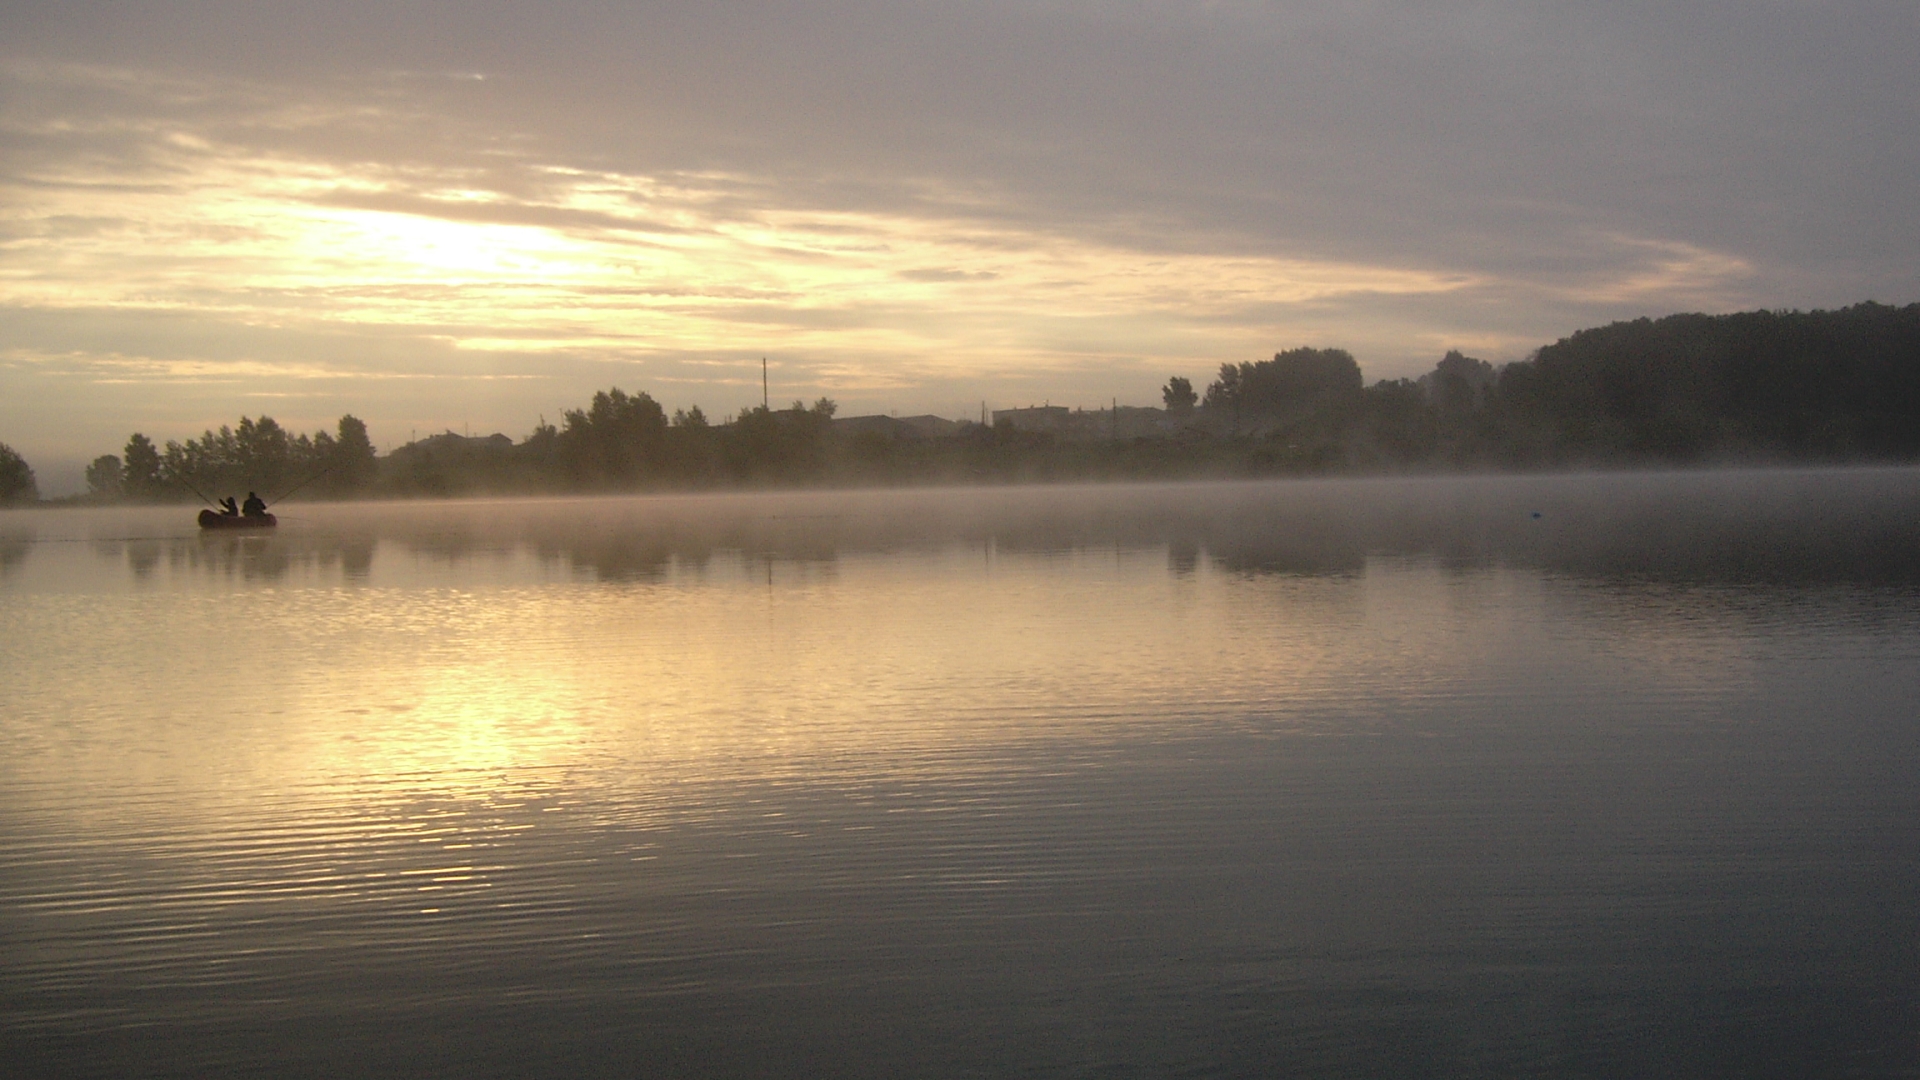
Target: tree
{"type": "Point", "coordinates": [350, 456]}
{"type": "Point", "coordinates": [1179, 396]}
{"type": "Point", "coordinates": [1459, 383]}
{"type": "Point", "coordinates": [105, 478]}
{"type": "Point", "coordinates": [1303, 402]}
{"type": "Point", "coordinates": [779, 444]}
{"type": "Point", "coordinates": [1291, 381]}
{"type": "Point", "coordinates": [16, 478]}
{"type": "Point", "coordinates": [1820, 385]}
{"type": "Point", "coordinates": [616, 441]}
{"type": "Point", "coordinates": [1224, 392]}
{"type": "Point", "coordinates": [1223, 395]}
{"type": "Point", "coordinates": [263, 455]}
{"type": "Point", "coordinates": [258, 455]}
{"type": "Point", "coordinates": [1399, 424]}
{"type": "Point", "coordinates": [140, 472]}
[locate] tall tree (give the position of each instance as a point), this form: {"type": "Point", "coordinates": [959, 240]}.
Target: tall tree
{"type": "Point", "coordinates": [16, 478]}
{"type": "Point", "coordinates": [1302, 398]}
{"type": "Point", "coordinates": [1459, 383]}
{"type": "Point", "coordinates": [1179, 396]}
{"type": "Point", "coordinates": [617, 441]}
{"type": "Point", "coordinates": [350, 457]}
{"type": "Point", "coordinates": [106, 480]}
{"type": "Point", "coordinates": [263, 455]}
{"type": "Point", "coordinates": [140, 472]}
{"type": "Point", "coordinates": [1292, 380]}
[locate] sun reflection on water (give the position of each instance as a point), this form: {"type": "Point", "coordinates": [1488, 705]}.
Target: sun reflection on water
{"type": "Point", "coordinates": [586, 756]}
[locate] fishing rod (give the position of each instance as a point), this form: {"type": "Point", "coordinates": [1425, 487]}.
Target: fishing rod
{"type": "Point", "coordinates": [304, 483]}
{"type": "Point", "coordinates": [183, 481]}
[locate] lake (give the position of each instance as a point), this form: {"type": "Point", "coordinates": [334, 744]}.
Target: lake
{"type": "Point", "coordinates": [1601, 775]}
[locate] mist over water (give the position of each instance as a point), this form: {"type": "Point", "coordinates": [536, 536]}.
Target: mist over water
{"type": "Point", "coordinates": [1581, 775]}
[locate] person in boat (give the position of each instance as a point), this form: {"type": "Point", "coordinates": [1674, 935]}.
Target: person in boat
{"type": "Point", "coordinates": [255, 506]}
{"type": "Point", "coordinates": [228, 508]}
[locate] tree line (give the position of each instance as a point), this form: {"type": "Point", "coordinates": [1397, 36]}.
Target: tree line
{"type": "Point", "coordinates": [1687, 390]}
{"type": "Point", "coordinates": [256, 455]}
{"type": "Point", "coordinates": [1753, 387]}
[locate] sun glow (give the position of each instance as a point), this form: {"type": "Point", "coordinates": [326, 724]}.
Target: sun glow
{"type": "Point", "coordinates": [862, 283]}
{"type": "Point", "coordinates": [561, 260]}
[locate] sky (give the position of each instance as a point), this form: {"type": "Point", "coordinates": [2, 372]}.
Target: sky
{"type": "Point", "coordinates": [470, 216]}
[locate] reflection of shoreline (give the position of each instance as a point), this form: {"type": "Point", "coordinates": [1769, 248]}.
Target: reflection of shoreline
{"type": "Point", "coordinates": [1858, 526]}
{"type": "Point", "coordinates": [1735, 528]}
{"type": "Point", "coordinates": [14, 548]}
{"type": "Point", "coordinates": [247, 557]}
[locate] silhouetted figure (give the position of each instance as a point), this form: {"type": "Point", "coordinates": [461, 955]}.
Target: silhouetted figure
{"type": "Point", "coordinates": [255, 506]}
{"type": "Point", "coordinates": [228, 508]}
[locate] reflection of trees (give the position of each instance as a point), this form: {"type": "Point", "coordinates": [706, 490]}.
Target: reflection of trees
{"type": "Point", "coordinates": [251, 558]}
{"type": "Point", "coordinates": [273, 558]}
{"type": "Point", "coordinates": [1733, 528]}
{"type": "Point", "coordinates": [612, 556]}
{"type": "Point", "coordinates": [456, 543]}
{"type": "Point", "coordinates": [1183, 557]}
{"type": "Point", "coordinates": [1837, 526]}
{"type": "Point", "coordinates": [1740, 529]}
{"type": "Point", "coordinates": [1759, 527]}
{"type": "Point", "coordinates": [143, 556]}
{"type": "Point", "coordinates": [1313, 555]}
{"type": "Point", "coordinates": [356, 556]}
{"type": "Point", "coordinates": [13, 550]}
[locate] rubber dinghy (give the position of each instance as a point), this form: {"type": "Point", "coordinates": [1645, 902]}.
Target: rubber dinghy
{"type": "Point", "coordinates": [211, 520]}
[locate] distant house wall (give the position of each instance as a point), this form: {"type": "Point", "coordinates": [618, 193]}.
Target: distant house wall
{"type": "Point", "coordinates": [898, 427]}
{"type": "Point", "coordinates": [932, 427]}
{"type": "Point", "coordinates": [1129, 422]}
{"type": "Point", "coordinates": [887, 426]}
{"type": "Point", "coordinates": [1047, 418]}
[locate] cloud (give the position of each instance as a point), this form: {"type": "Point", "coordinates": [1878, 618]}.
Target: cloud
{"type": "Point", "coordinates": [890, 196]}
{"type": "Point", "coordinates": [539, 256]}
{"type": "Point", "coordinates": [934, 274]}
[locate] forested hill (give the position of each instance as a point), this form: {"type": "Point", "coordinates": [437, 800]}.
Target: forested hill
{"type": "Point", "coordinates": [1822, 385]}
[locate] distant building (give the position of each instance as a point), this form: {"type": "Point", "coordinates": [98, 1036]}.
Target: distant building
{"type": "Point", "coordinates": [1096, 425]}
{"type": "Point", "coordinates": [932, 427]}
{"type": "Point", "coordinates": [453, 446]}
{"type": "Point", "coordinates": [898, 427]}
{"type": "Point", "coordinates": [1052, 419]}
{"type": "Point", "coordinates": [1075, 425]}
{"type": "Point", "coordinates": [1139, 422]}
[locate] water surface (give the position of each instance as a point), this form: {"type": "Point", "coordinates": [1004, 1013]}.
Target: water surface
{"type": "Point", "coordinates": [1601, 775]}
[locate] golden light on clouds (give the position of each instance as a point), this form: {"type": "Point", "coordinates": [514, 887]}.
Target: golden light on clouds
{"type": "Point", "coordinates": [621, 262]}
{"type": "Point", "coordinates": [221, 240]}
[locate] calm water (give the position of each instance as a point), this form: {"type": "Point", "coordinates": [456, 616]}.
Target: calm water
{"type": "Point", "coordinates": [1585, 776]}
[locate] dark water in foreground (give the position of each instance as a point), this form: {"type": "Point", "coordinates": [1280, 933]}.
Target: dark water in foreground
{"type": "Point", "coordinates": [1323, 779]}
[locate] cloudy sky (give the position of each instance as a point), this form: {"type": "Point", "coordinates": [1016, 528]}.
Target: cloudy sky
{"type": "Point", "coordinates": [469, 215]}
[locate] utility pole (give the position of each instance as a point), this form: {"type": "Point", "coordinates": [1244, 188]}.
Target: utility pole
{"type": "Point", "coordinates": [764, 406]}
